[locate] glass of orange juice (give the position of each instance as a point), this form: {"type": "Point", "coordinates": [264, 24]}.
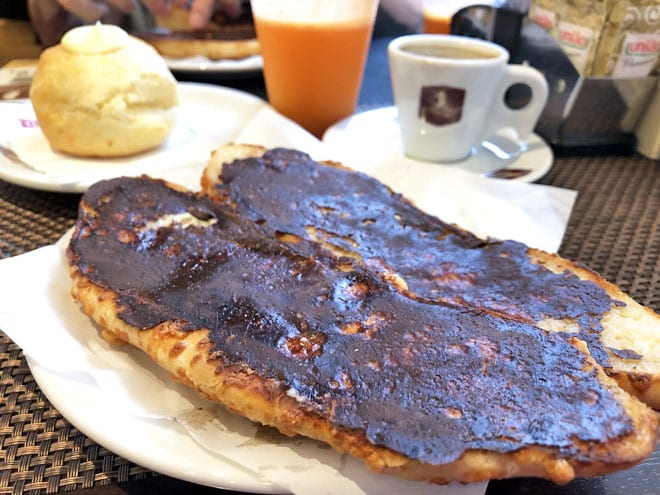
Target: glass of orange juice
{"type": "Point", "coordinates": [314, 53]}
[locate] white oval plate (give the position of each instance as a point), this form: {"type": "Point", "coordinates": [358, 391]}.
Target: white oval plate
{"type": "Point", "coordinates": [209, 116]}
{"type": "Point", "coordinates": [161, 446]}
{"type": "Point", "coordinates": [372, 137]}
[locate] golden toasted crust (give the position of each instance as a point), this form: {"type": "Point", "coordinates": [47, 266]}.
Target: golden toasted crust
{"type": "Point", "coordinates": [186, 355]}
{"type": "Point", "coordinates": [179, 47]}
{"type": "Point", "coordinates": [626, 326]}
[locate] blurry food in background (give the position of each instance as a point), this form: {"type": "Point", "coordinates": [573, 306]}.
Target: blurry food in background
{"type": "Point", "coordinates": [123, 99]}
{"type": "Point", "coordinates": [15, 78]}
{"type": "Point", "coordinates": [223, 38]}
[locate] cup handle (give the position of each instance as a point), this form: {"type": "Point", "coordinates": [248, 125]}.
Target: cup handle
{"type": "Point", "coordinates": [522, 119]}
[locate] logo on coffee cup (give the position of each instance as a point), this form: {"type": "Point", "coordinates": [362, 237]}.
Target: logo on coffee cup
{"type": "Point", "coordinates": [441, 105]}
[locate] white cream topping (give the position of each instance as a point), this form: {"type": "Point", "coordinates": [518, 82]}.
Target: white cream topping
{"type": "Point", "coordinates": [95, 40]}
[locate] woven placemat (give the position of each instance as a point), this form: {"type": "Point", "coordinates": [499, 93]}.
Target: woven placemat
{"type": "Point", "coordinates": [615, 224]}
{"type": "Point", "coordinates": [30, 219]}
{"type": "Point", "coordinates": [614, 229]}
{"type": "Point", "coordinates": [40, 452]}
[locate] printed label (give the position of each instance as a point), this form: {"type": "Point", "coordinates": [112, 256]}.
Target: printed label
{"type": "Point", "coordinates": [441, 105]}
{"type": "Point", "coordinates": [577, 42]}
{"type": "Point", "coordinates": [28, 123]}
{"type": "Point", "coordinates": [638, 56]}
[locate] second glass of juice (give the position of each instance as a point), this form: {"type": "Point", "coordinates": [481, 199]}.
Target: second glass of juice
{"type": "Point", "coordinates": [314, 53]}
{"type": "Point", "coordinates": [438, 14]}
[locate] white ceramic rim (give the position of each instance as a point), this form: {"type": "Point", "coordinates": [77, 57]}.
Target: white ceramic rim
{"type": "Point", "coordinates": [397, 45]}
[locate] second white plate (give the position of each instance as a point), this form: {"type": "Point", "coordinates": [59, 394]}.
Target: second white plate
{"type": "Point", "coordinates": [209, 116]}
{"type": "Point", "coordinates": [371, 138]}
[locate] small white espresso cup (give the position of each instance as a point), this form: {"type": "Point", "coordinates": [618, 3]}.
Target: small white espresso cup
{"type": "Point", "coordinates": [450, 94]}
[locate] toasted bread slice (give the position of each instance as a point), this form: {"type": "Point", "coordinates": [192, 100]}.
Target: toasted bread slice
{"type": "Point", "coordinates": [320, 346]}
{"type": "Point", "coordinates": [354, 215]}
{"type": "Point", "coordinates": [231, 44]}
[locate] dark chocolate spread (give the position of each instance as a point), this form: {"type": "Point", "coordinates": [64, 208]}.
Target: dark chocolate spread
{"type": "Point", "coordinates": [427, 379]}
{"type": "Point", "coordinates": [286, 191]}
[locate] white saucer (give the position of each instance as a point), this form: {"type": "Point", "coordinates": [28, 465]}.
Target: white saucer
{"type": "Point", "coordinates": [373, 138]}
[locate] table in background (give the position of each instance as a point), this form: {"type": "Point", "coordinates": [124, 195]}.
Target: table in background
{"type": "Point", "coordinates": [614, 229]}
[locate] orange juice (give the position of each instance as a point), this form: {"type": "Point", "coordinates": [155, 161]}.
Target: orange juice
{"type": "Point", "coordinates": [437, 23]}
{"type": "Point", "coordinates": [313, 71]}
{"type": "Point", "coordinates": [438, 14]}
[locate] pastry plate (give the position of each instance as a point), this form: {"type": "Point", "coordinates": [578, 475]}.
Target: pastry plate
{"type": "Point", "coordinates": [125, 402]}
{"type": "Point", "coordinates": [209, 116]}
{"type": "Point", "coordinates": [371, 138]}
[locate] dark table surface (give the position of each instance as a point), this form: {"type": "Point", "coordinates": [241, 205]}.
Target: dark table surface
{"type": "Point", "coordinates": [614, 228]}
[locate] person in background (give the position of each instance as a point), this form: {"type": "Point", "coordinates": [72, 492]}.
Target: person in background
{"type": "Point", "coordinates": [398, 17]}
{"type": "Point", "coordinates": [52, 18]}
